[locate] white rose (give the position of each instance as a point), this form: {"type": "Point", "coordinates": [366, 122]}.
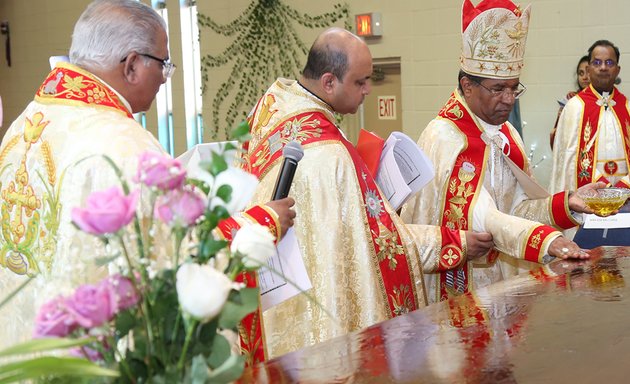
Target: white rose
{"type": "Point", "coordinates": [243, 187]}
{"type": "Point", "coordinates": [202, 290]}
{"type": "Point", "coordinates": [255, 243]}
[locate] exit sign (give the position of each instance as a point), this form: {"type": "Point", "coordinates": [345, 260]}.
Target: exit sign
{"type": "Point", "coordinates": [386, 106]}
{"type": "Point", "coordinates": [368, 24]}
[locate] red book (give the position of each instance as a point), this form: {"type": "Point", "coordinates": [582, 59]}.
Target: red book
{"type": "Point", "coordinates": [370, 146]}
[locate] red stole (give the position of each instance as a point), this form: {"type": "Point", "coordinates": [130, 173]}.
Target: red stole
{"type": "Point", "coordinates": [250, 330]}
{"type": "Point", "coordinates": [69, 84]}
{"type": "Point", "coordinates": [586, 160]}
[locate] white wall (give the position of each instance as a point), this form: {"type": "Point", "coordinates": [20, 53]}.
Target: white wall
{"type": "Point", "coordinates": [426, 35]}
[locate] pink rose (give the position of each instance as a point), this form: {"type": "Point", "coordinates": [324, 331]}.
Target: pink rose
{"type": "Point", "coordinates": [53, 320]}
{"type": "Point", "coordinates": [180, 208]}
{"type": "Point", "coordinates": [90, 306]}
{"type": "Point", "coordinates": [122, 294]}
{"type": "Point", "coordinates": [161, 171]}
{"type": "Point", "coordinates": [106, 211]}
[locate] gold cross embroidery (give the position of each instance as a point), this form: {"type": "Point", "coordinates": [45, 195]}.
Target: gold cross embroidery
{"type": "Point", "coordinates": [20, 195]}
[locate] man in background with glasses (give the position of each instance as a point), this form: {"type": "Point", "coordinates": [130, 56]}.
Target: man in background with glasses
{"type": "Point", "coordinates": [482, 180]}
{"type": "Point", "coordinates": [593, 140]}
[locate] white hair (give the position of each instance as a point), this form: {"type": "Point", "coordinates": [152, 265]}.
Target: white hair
{"type": "Point", "coordinates": [109, 30]}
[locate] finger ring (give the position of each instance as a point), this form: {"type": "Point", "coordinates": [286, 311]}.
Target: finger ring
{"type": "Point", "coordinates": [564, 250]}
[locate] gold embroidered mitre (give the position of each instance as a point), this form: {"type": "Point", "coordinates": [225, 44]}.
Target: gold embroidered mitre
{"type": "Point", "coordinates": [494, 34]}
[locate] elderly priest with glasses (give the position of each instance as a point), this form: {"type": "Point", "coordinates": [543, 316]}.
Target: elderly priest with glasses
{"type": "Point", "coordinates": [51, 158]}
{"type": "Point", "coordinates": [483, 180]}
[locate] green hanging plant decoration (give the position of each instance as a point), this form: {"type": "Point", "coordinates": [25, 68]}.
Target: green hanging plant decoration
{"type": "Point", "coordinates": [265, 46]}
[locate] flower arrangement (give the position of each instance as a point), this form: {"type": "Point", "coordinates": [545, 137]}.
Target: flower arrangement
{"type": "Point", "coordinates": [162, 320]}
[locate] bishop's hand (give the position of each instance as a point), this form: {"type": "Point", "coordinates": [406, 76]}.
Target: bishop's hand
{"type": "Point", "coordinates": [577, 204]}
{"type": "Point", "coordinates": [563, 248]}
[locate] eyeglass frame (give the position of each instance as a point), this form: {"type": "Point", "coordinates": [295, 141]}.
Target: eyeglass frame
{"type": "Point", "coordinates": [609, 63]}
{"type": "Point", "coordinates": [168, 68]}
{"type": "Point", "coordinates": [495, 93]}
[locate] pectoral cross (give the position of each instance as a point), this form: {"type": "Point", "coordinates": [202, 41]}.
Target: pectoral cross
{"type": "Point", "coordinates": [606, 101]}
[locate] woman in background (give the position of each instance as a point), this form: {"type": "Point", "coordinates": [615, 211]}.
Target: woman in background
{"type": "Point", "coordinates": [582, 82]}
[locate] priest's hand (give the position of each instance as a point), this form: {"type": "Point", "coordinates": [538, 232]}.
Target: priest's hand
{"type": "Point", "coordinates": [478, 244]}
{"type": "Point", "coordinates": [286, 214]}
{"type": "Point", "coordinates": [577, 204]}
{"type": "Point", "coordinates": [563, 248]}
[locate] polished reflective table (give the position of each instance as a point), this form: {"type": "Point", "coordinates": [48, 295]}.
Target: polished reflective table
{"type": "Point", "coordinates": [567, 322]}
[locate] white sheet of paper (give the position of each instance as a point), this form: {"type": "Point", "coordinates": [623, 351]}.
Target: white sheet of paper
{"type": "Point", "coordinates": [203, 152]}
{"type": "Point", "coordinates": [403, 169]}
{"type": "Point", "coordinates": [390, 180]}
{"type": "Point", "coordinates": [286, 275]}
{"type": "Point", "coordinates": [620, 220]}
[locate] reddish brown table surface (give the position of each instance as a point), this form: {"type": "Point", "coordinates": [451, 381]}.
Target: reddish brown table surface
{"type": "Point", "coordinates": [568, 322]}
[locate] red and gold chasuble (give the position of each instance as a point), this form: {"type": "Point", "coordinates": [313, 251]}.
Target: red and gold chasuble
{"type": "Point", "coordinates": [392, 259]}
{"type": "Point", "coordinates": [587, 136]}
{"type": "Point", "coordinates": [462, 190]}
{"type": "Point", "coordinates": [71, 85]}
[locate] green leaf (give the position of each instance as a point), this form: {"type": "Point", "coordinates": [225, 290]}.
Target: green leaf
{"type": "Point", "coordinates": [229, 371]}
{"type": "Point", "coordinates": [140, 347]}
{"type": "Point", "coordinates": [218, 164]}
{"type": "Point", "coordinates": [241, 130]}
{"type": "Point", "coordinates": [221, 212]}
{"type": "Point", "coordinates": [125, 322]}
{"type": "Point", "coordinates": [211, 247]}
{"type": "Point", "coordinates": [229, 146]}
{"type": "Point", "coordinates": [245, 302]}
{"type": "Point", "coordinates": [225, 193]}
{"type": "Point", "coordinates": [199, 370]}
{"type": "Point", "coordinates": [205, 338]}
{"type": "Point", "coordinates": [51, 366]}
{"type": "Point", "coordinates": [199, 184]}
{"type": "Point", "coordinates": [171, 375]}
{"type": "Point", "coordinates": [221, 351]}
{"type": "Point", "coordinates": [138, 368]}
{"type": "Point", "coordinates": [44, 344]}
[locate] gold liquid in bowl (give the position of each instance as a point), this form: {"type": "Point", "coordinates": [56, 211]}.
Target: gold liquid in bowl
{"type": "Point", "coordinates": [605, 201]}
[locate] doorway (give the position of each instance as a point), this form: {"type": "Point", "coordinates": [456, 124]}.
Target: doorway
{"type": "Point", "coordinates": [382, 108]}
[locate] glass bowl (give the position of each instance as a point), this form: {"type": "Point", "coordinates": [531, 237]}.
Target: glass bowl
{"type": "Point", "coordinates": [605, 201]}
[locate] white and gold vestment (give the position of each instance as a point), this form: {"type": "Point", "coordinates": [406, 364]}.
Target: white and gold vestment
{"type": "Point", "coordinates": [49, 163]}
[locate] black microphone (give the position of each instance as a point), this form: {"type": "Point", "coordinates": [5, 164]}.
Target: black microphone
{"type": "Point", "coordinates": [292, 153]}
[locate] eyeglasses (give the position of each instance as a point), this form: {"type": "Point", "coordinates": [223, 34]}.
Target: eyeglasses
{"type": "Point", "coordinates": [609, 63]}
{"type": "Point", "coordinates": [168, 68]}
{"type": "Point", "coordinates": [515, 93]}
